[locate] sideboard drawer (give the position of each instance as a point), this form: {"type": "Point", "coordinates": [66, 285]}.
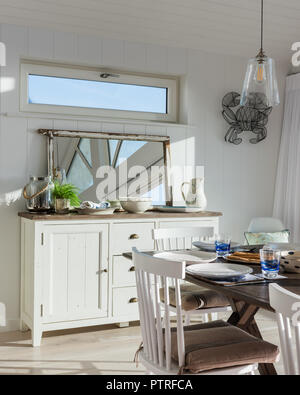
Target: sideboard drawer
{"type": "Point", "coordinates": [123, 272]}
{"type": "Point", "coordinates": [129, 235]}
{"type": "Point", "coordinates": [125, 302]}
{"type": "Point", "coordinates": [186, 223]}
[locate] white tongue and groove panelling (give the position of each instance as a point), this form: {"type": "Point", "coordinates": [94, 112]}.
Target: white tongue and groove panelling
{"type": "Point", "coordinates": [23, 152]}
{"type": "Point", "coordinates": [239, 180]}
{"type": "Point", "coordinates": [227, 27]}
{"type": "Point", "coordinates": [31, 42]}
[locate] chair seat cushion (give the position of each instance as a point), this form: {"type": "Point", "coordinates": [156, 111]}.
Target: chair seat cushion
{"type": "Point", "coordinates": [217, 345]}
{"type": "Point", "coordinates": [194, 297]}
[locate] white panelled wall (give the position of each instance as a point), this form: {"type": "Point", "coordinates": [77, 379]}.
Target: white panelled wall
{"type": "Point", "coordinates": [239, 179]}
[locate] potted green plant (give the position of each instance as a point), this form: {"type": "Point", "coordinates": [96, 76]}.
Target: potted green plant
{"type": "Point", "coordinates": [65, 195]}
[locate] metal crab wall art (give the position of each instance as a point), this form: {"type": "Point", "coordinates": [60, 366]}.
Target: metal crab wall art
{"type": "Point", "coordinates": [252, 117]}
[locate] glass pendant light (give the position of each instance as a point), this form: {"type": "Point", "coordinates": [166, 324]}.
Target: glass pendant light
{"type": "Point", "coordinates": [261, 76]}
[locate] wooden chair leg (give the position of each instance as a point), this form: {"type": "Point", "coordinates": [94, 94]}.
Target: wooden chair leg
{"type": "Point", "coordinates": [243, 317]}
{"type": "Point", "coordinates": [187, 320]}
{"type": "Point", "coordinates": [163, 322]}
{"type": "Point", "coordinates": [205, 318]}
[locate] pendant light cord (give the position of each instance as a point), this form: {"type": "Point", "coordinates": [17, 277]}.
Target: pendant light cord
{"type": "Point", "coordinates": [262, 26]}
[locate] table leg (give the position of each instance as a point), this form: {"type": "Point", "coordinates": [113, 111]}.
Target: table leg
{"type": "Point", "coordinates": [243, 316]}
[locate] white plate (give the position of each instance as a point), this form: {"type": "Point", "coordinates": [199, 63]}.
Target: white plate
{"type": "Point", "coordinates": [219, 270]}
{"type": "Point", "coordinates": [178, 209]}
{"type": "Point", "coordinates": [189, 257]}
{"type": "Point", "coordinates": [97, 211]}
{"type": "Point", "coordinates": [210, 246]}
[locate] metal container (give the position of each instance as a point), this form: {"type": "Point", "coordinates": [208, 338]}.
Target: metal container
{"type": "Point", "coordinates": [38, 194]}
{"type": "Point", "coordinates": [62, 206]}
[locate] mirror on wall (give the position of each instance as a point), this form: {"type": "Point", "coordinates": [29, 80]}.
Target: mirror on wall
{"type": "Point", "coordinates": [111, 166]}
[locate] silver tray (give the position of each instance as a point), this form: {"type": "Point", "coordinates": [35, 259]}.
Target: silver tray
{"type": "Point", "coordinates": [178, 209]}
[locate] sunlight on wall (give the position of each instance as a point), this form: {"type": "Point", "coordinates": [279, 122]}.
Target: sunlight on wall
{"type": "Point", "coordinates": [2, 314]}
{"type": "Point", "coordinates": [2, 54]}
{"type": "Point", "coordinates": [8, 84]}
{"type": "Point", "coordinates": [7, 198]}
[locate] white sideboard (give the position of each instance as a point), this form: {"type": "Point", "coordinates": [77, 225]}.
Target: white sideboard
{"type": "Point", "coordinates": [73, 273]}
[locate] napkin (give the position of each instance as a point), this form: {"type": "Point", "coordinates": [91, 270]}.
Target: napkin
{"type": "Point", "coordinates": [92, 205]}
{"type": "Point", "coordinates": [251, 279]}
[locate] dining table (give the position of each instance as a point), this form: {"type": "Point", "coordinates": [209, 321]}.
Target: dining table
{"type": "Point", "coordinates": [246, 300]}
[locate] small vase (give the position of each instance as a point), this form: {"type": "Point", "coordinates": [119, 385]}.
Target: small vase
{"type": "Point", "coordinates": [62, 206]}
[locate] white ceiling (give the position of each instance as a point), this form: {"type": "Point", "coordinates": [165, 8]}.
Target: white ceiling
{"type": "Point", "coordinates": [223, 26]}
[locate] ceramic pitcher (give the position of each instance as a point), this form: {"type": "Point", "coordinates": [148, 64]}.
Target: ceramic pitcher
{"type": "Point", "coordinates": [196, 196]}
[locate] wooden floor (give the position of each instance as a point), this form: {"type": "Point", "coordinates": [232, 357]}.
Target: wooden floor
{"type": "Point", "coordinates": [102, 350]}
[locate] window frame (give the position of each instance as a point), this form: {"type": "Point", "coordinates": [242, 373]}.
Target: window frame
{"type": "Point", "coordinates": [94, 75]}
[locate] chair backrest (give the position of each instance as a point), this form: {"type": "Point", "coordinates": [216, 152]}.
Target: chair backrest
{"type": "Point", "coordinates": [180, 238]}
{"type": "Point", "coordinates": [265, 225]}
{"type": "Point", "coordinates": [287, 307]}
{"type": "Point", "coordinates": [152, 274]}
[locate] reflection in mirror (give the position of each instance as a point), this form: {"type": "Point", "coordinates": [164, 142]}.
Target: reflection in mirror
{"type": "Point", "coordinates": [137, 167]}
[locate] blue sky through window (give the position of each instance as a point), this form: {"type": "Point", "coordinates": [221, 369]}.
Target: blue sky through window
{"type": "Point", "coordinates": [96, 94]}
{"type": "Point", "coordinates": [128, 148]}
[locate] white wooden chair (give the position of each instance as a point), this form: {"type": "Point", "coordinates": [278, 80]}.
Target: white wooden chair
{"type": "Point", "coordinates": [183, 238]}
{"type": "Point", "coordinates": [160, 344]}
{"type": "Point", "coordinates": [287, 307]}
{"type": "Point", "coordinates": [265, 225]}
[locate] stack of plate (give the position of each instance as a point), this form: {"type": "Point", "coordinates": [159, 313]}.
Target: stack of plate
{"type": "Point", "coordinates": [219, 271]}
{"type": "Point", "coordinates": [95, 211]}
{"type": "Point", "coordinates": [178, 209]}
{"type": "Point", "coordinates": [190, 257]}
{"type": "Point", "coordinates": [210, 245]}
{"type": "Point", "coordinates": [284, 246]}
{"type": "Point", "coordinates": [205, 245]}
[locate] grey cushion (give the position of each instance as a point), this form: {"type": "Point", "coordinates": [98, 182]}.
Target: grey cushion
{"type": "Point", "coordinates": [217, 345]}
{"type": "Point", "coordinates": [194, 297]}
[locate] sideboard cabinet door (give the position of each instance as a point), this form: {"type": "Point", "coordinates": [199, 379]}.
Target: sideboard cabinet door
{"type": "Point", "coordinates": [75, 272]}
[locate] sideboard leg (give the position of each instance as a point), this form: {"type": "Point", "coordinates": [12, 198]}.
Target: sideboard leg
{"type": "Point", "coordinates": [23, 327]}
{"type": "Point", "coordinates": [122, 324]}
{"type": "Point", "coordinates": [36, 337]}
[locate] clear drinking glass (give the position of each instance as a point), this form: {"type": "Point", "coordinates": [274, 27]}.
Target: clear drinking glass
{"type": "Point", "coordinates": [222, 243]}
{"type": "Point", "coordinates": [270, 262]}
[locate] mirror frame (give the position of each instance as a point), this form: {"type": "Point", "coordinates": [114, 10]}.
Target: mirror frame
{"type": "Point", "coordinates": [165, 140]}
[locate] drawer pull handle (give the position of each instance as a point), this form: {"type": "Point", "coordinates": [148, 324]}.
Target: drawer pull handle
{"type": "Point", "coordinates": [132, 269]}
{"type": "Point", "coordinates": [133, 300]}
{"type": "Point", "coordinates": [134, 237]}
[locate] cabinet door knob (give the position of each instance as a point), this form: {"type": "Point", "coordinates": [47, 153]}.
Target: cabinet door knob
{"type": "Point", "coordinates": [133, 300]}
{"type": "Point", "coordinates": [132, 269]}
{"type": "Point", "coordinates": [134, 236]}
{"type": "Point", "coordinates": [104, 270]}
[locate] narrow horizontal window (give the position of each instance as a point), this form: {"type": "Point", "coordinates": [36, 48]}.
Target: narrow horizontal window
{"type": "Point", "coordinates": [88, 92]}
{"type": "Point", "coordinates": [96, 94]}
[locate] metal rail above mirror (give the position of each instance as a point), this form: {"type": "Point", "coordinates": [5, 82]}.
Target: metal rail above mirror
{"type": "Point", "coordinates": [109, 166]}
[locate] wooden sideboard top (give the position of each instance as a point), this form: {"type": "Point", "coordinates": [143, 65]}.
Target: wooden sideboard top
{"type": "Point", "coordinates": [116, 216]}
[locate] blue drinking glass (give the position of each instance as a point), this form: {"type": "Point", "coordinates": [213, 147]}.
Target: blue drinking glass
{"type": "Point", "coordinates": [222, 244]}
{"type": "Point", "coordinates": [270, 262]}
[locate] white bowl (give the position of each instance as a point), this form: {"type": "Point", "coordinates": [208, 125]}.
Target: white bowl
{"type": "Point", "coordinates": [136, 205]}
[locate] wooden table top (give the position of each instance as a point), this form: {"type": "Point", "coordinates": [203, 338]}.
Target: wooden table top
{"type": "Point", "coordinates": [254, 294]}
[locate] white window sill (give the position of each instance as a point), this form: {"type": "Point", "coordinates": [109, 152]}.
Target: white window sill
{"type": "Point", "coordinates": [90, 119]}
